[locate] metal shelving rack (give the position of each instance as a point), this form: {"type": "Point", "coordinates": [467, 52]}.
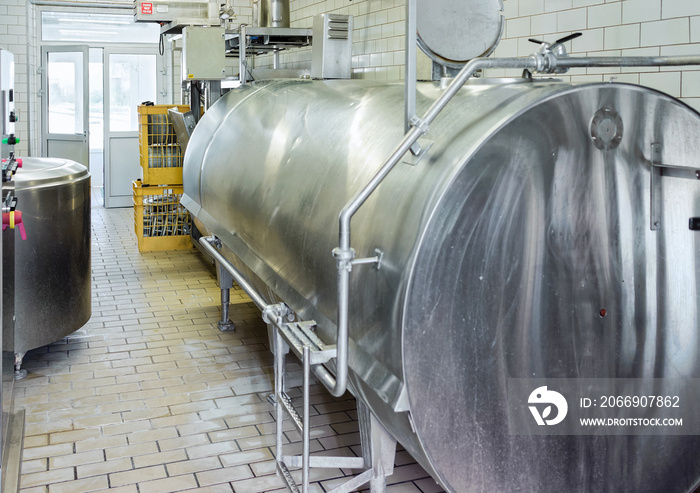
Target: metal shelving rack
{"type": "Point", "coordinates": [262, 41]}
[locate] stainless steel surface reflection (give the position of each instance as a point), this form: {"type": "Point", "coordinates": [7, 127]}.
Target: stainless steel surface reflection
{"type": "Point", "coordinates": [52, 266]}
{"type": "Point", "coordinates": [500, 249]}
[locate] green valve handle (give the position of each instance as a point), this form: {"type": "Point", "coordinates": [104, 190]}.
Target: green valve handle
{"type": "Point", "coordinates": [11, 140]}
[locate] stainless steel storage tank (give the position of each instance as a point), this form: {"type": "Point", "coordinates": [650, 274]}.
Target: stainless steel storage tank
{"type": "Point", "coordinates": [52, 266]}
{"type": "Point", "coordinates": [520, 246]}
{"type": "Point", "coordinates": [274, 13]}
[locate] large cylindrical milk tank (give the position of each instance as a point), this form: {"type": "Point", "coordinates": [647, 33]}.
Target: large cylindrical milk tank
{"type": "Point", "coordinates": [519, 246]}
{"type": "Point", "coordinates": [52, 266]}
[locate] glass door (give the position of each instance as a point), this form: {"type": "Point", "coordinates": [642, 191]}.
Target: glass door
{"type": "Point", "coordinates": [65, 103]}
{"type": "Point", "coordinates": [130, 79]}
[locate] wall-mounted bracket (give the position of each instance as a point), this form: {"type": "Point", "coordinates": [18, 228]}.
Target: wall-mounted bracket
{"type": "Point", "coordinates": [657, 171]}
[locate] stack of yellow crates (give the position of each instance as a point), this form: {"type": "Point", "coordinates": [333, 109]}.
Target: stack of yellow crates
{"type": "Point", "coordinates": [160, 221]}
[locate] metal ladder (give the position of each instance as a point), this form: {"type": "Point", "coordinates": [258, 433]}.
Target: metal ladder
{"type": "Point", "coordinates": [378, 447]}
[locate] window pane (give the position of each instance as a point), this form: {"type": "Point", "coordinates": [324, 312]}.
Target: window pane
{"type": "Point", "coordinates": [100, 28]}
{"type": "Point", "coordinates": [132, 80]}
{"type": "Point", "coordinates": [65, 92]}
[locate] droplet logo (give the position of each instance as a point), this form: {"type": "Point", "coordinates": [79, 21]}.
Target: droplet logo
{"type": "Point", "coordinates": [544, 399]}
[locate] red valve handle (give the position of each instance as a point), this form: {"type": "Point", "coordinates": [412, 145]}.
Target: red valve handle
{"type": "Point", "coordinates": [12, 219]}
{"type": "Point", "coordinates": [18, 161]}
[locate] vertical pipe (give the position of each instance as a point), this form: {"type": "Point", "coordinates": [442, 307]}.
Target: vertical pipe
{"type": "Point", "coordinates": [241, 55]}
{"type": "Point", "coordinates": [279, 372]}
{"type": "Point", "coordinates": [225, 298]}
{"type": "Point", "coordinates": [411, 62]}
{"type": "Point", "coordinates": [306, 431]}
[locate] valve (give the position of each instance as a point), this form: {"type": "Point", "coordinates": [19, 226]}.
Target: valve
{"type": "Point", "coordinates": [13, 117]}
{"type": "Point", "coordinates": [17, 160]}
{"type": "Point", "coordinates": [9, 167]}
{"type": "Point", "coordinates": [13, 219]}
{"type": "Point", "coordinates": [11, 140]}
{"type": "Point", "coordinates": [555, 50]}
{"type": "Point", "coordinates": [557, 47]}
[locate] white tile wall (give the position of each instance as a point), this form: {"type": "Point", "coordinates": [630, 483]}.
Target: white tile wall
{"type": "Point", "coordinates": [13, 37]}
{"type": "Point", "coordinates": [378, 37]}
{"type": "Point", "coordinates": [613, 27]}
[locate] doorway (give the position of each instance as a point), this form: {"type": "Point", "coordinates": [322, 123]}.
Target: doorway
{"type": "Point", "coordinates": [65, 109]}
{"type": "Point", "coordinates": [129, 79]}
{"type": "Point", "coordinates": [91, 91]}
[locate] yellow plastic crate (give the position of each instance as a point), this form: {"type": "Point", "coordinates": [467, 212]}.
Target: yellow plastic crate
{"type": "Point", "coordinates": [159, 152]}
{"type": "Point", "coordinates": [160, 221]}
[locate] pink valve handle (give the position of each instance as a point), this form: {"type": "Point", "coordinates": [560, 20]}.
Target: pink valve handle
{"type": "Point", "coordinates": [18, 160]}
{"type": "Point", "coordinates": [12, 219]}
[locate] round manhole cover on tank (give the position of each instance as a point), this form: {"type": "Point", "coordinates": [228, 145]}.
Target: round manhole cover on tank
{"type": "Point", "coordinates": [452, 32]}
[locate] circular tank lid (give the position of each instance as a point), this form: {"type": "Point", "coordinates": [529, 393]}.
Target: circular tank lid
{"type": "Point", "coordinates": [47, 171]}
{"type": "Point", "coordinates": [452, 32]}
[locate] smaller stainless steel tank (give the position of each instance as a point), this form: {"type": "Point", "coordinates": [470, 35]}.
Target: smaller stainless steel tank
{"type": "Point", "coordinates": [52, 266]}
{"type": "Point", "coordinates": [274, 13]}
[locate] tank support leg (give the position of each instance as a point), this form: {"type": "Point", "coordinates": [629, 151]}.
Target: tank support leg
{"type": "Point", "coordinates": [20, 374]}
{"type": "Point", "coordinates": [225, 283]}
{"type": "Point", "coordinates": [378, 448]}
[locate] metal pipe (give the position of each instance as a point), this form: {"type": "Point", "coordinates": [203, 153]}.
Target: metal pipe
{"type": "Point", "coordinates": [307, 425]}
{"type": "Point", "coordinates": [336, 386]}
{"type": "Point", "coordinates": [207, 243]}
{"type": "Point", "coordinates": [411, 62]}
{"type": "Point", "coordinates": [242, 63]}
{"type": "Point", "coordinates": [83, 4]}
{"type": "Point", "coordinates": [225, 299]}
{"type": "Point", "coordinates": [629, 61]}
{"type": "Point", "coordinates": [279, 389]}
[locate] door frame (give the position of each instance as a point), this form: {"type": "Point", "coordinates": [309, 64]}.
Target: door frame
{"type": "Point", "coordinates": [85, 136]}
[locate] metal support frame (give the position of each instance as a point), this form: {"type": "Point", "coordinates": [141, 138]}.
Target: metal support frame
{"type": "Point", "coordinates": [20, 373]}
{"type": "Point", "coordinates": [657, 171]}
{"type": "Point", "coordinates": [411, 64]}
{"type": "Point", "coordinates": [225, 284]}
{"type": "Point", "coordinates": [242, 62]}
{"type": "Point", "coordinates": [300, 338]}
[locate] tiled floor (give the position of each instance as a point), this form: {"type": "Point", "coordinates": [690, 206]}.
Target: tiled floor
{"type": "Point", "coordinates": [150, 397]}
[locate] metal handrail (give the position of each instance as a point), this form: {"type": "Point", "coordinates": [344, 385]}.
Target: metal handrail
{"type": "Point", "coordinates": [274, 313]}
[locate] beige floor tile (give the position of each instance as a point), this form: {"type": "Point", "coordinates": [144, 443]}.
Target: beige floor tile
{"type": "Point", "coordinates": [105, 467]}
{"type": "Point", "coordinates": [137, 475]}
{"type": "Point", "coordinates": [193, 465]}
{"type": "Point", "coordinates": [159, 458]}
{"type": "Point", "coordinates": [82, 485]}
{"type": "Point", "coordinates": [104, 442]}
{"type": "Point", "coordinates": [246, 457]}
{"type": "Point", "coordinates": [177, 483]}
{"type": "Point", "coordinates": [131, 450]}
{"type": "Point", "coordinates": [46, 477]}
{"type": "Point", "coordinates": [152, 435]}
{"type": "Point", "coordinates": [75, 459]}
{"type": "Point", "coordinates": [36, 465]}
{"type": "Point", "coordinates": [215, 488]}
{"type": "Point", "coordinates": [183, 442]}
{"type": "Point", "coordinates": [47, 451]}
{"type": "Point", "coordinates": [226, 475]}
